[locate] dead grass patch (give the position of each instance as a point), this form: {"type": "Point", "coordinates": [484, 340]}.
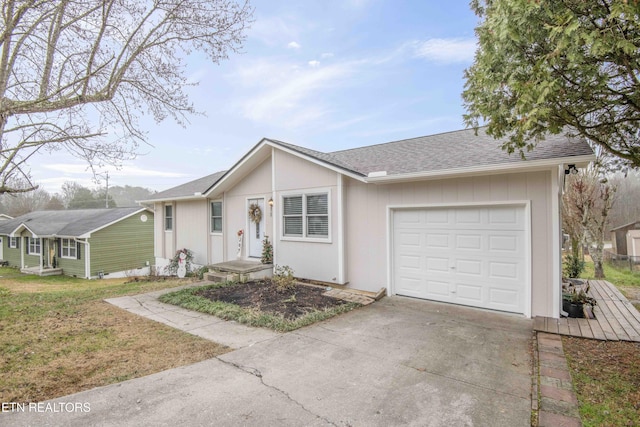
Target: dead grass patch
{"type": "Point", "coordinates": [606, 377]}
{"type": "Point", "coordinates": [56, 340]}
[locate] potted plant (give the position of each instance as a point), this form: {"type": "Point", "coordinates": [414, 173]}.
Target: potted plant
{"type": "Point", "coordinates": [575, 301]}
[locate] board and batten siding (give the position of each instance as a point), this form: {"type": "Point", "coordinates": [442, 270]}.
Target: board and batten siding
{"type": "Point", "coordinates": [11, 255]}
{"type": "Point", "coordinates": [317, 260]}
{"type": "Point", "coordinates": [72, 266]}
{"type": "Point", "coordinates": [190, 221]}
{"type": "Point", "coordinates": [257, 184]}
{"type": "Point", "coordinates": [367, 227]}
{"type": "Point", "coordinates": [123, 246]}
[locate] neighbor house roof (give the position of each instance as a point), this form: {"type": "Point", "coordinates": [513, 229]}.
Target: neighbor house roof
{"type": "Point", "coordinates": [66, 223]}
{"type": "Point", "coordinates": [631, 224]}
{"type": "Point", "coordinates": [445, 154]}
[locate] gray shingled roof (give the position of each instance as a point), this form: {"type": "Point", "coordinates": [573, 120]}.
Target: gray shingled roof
{"type": "Point", "coordinates": [69, 223]}
{"type": "Point", "coordinates": [445, 151]}
{"type": "Point", "coordinates": [200, 185]}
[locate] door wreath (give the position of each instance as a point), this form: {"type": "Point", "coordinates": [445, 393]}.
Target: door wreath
{"type": "Point", "coordinates": [255, 213]}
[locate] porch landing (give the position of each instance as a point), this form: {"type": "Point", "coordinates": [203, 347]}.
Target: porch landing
{"type": "Point", "coordinates": [616, 318]}
{"type": "Point", "coordinates": [241, 270]}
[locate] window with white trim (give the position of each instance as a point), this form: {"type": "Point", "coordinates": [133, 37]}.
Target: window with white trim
{"type": "Point", "coordinates": [68, 248]}
{"type": "Point", "coordinates": [216, 217]}
{"type": "Point", "coordinates": [34, 246]}
{"type": "Point", "coordinates": [13, 242]}
{"type": "Point", "coordinates": [168, 217]}
{"type": "Point", "coordinates": [306, 216]}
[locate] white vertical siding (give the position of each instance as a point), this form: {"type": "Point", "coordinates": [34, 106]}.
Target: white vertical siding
{"type": "Point", "coordinates": [367, 227]}
{"type": "Point", "coordinates": [191, 220]}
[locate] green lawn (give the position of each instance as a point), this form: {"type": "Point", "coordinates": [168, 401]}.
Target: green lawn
{"type": "Point", "coordinates": [617, 276]}
{"type": "Point", "coordinates": [606, 374]}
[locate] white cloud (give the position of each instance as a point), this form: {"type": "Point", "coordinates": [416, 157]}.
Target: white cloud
{"type": "Point", "coordinates": [293, 45]}
{"type": "Point", "coordinates": [446, 51]}
{"type": "Point", "coordinates": [287, 95]}
{"type": "Point", "coordinates": [326, 55]}
{"type": "Point", "coordinates": [314, 63]}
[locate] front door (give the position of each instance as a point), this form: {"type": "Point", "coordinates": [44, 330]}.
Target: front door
{"type": "Point", "coordinates": [255, 210]}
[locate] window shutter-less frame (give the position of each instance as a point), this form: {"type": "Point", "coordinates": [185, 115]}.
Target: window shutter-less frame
{"type": "Point", "coordinates": [292, 212]}
{"type": "Point", "coordinates": [317, 215]}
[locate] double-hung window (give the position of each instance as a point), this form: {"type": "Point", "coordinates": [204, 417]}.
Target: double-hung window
{"type": "Point", "coordinates": [34, 246]}
{"type": "Point", "coordinates": [216, 217]}
{"type": "Point", "coordinates": [306, 216]}
{"type": "Point", "coordinates": [13, 242]}
{"type": "Point", "coordinates": [68, 248]}
{"type": "Point", "coordinates": [168, 217]}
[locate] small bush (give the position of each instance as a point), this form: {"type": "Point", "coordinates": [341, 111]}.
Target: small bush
{"type": "Point", "coordinates": [283, 278]}
{"type": "Point", "coordinates": [573, 266]}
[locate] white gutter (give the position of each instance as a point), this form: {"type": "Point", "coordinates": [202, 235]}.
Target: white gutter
{"type": "Point", "coordinates": [498, 168]}
{"type": "Point", "coordinates": [196, 196]}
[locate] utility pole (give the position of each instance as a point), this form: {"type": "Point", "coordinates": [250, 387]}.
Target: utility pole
{"type": "Point", "coordinates": [106, 192]}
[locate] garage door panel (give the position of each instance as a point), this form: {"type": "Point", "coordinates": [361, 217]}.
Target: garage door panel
{"type": "Point", "coordinates": [468, 242]}
{"type": "Point", "coordinates": [469, 267]}
{"type": "Point", "coordinates": [437, 265]}
{"type": "Point", "coordinates": [469, 294]}
{"type": "Point", "coordinates": [505, 270]}
{"type": "Point", "coordinates": [437, 240]}
{"type": "Point", "coordinates": [470, 256]}
{"type": "Point", "coordinates": [438, 289]}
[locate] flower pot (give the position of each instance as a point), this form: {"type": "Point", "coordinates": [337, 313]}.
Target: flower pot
{"type": "Point", "coordinates": [574, 310]}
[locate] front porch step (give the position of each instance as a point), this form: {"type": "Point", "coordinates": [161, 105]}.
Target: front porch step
{"type": "Point", "coordinates": [216, 276]}
{"type": "Point", "coordinates": [239, 270]}
{"type": "Point", "coordinates": [43, 272]}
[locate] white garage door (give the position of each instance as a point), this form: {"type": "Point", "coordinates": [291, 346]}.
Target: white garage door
{"type": "Point", "coordinates": [472, 256]}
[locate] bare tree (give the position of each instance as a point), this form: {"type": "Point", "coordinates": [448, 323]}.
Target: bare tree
{"type": "Point", "coordinates": [20, 203]}
{"type": "Point", "coordinates": [75, 74]}
{"type": "Point", "coordinates": [587, 202]}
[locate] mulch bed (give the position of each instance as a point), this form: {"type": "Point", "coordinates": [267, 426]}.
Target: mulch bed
{"type": "Point", "coordinates": [264, 296]}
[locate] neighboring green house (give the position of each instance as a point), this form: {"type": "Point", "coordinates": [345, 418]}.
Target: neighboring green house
{"type": "Point", "coordinates": [85, 243]}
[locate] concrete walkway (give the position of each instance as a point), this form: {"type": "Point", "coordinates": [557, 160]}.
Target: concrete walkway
{"type": "Point", "coordinates": [396, 362]}
{"type": "Point", "coordinates": [231, 334]}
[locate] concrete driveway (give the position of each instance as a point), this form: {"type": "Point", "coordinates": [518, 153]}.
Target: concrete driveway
{"type": "Point", "coordinates": [397, 362]}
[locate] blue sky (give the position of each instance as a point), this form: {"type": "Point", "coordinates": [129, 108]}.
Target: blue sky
{"type": "Point", "coordinates": [327, 75]}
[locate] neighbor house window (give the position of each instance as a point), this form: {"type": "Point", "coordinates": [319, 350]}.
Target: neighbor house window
{"type": "Point", "coordinates": [68, 249]}
{"type": "Point", "coordinates": [13, 242]}
{"type": "Point", "coordinates": [168, 217]}
{"type": "Point", "coordinates": [306, 215]}
{"type": "Point", "coordinates": [216, 217]}
{"type": "Point", "coordinates": [34, 246]}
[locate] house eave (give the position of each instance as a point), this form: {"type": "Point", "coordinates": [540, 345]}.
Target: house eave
{"type": "Point", "coordinates": [172, 199]}
{"type": "Point", "coordinates": [494, 169]}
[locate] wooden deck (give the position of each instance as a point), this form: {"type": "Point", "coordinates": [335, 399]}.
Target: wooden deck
{"type": "Point", "coordinates": [616, 318]}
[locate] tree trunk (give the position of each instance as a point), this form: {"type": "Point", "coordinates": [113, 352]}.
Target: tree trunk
{"type": "Point", "coordinates": [597, 256]}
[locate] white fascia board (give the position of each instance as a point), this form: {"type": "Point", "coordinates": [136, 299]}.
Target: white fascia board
{"type": "Point", "coordinates": [172, 199]}
{"type": "Point", "coordinates": [265, 141]}
{"type": "Point", "coordinates": [499, 168]}
{"type": "Point", "coordinates": [19, 228]}
{"type": "Point", "coordinates": [235, 167]}
{"type": "Point", "coordinates": [318, 162]}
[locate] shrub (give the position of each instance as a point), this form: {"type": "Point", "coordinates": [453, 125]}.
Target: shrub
{"type": "Point", "coordinates": [283, 278]}
{"type": "Point", "coordinates": [267, 251]}
{"type": "Point", "coordinates": [573, 266]}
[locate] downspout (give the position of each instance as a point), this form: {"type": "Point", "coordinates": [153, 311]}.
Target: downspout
{"type": "Point", "coordinates": [87, 256]}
